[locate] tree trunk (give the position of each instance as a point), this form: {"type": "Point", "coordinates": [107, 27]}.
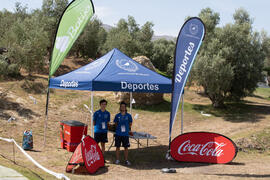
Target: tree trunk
{"type": "Point", "coordinates": [218, 103]}
{"type": "Point", "coordinates": [216, 99]}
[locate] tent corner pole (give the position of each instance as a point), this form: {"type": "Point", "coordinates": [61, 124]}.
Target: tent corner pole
{"type": "Point", "coordinates": [92, 108]}
{"type": "Point", "coordinates": [130, 101]}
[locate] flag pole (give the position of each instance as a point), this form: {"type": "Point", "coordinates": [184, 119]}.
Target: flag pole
{"type": "Point", "coordinates": [48, 96]}
{"type": "Point", "coordinates": [67, 48]}
{"type": "Point", "coordinates": [182, 115]}
{"type": "Point", "coordinates": [46, 114]}
{"type": "Point", "coordinates": [186, 49]}
{"type": "Point", "coordinates": [92, 108]}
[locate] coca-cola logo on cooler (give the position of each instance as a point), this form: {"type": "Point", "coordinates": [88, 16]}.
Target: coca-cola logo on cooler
{"type": "Point", "coordinates": [203, 147]}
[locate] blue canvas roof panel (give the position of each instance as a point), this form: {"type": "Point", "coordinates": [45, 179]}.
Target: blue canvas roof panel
{"type": "Point", "coordinates": [115, 71]}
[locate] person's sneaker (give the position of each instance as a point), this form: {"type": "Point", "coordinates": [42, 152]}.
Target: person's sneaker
{"type": "Point", "coordinates": [127, 163]}
{"type": "Point", "coordinates": [117, 162]}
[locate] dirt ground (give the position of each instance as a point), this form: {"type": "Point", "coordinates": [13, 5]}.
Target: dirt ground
{"type": "Point", "coordinates": [147, 162]}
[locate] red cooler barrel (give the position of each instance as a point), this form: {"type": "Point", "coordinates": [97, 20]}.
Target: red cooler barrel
{"type": "Point", "coordinates": [71, 133]}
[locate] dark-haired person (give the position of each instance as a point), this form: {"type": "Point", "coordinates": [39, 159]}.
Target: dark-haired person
{"type": "Point", "coordinates": [101, 119]}
{"type": "Point", "coordinates": [123, 122]}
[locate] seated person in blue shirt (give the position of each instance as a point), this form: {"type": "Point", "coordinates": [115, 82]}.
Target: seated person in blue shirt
{"type": "Point", "coordinates": [101, 119]}
{"type": "Point", "coordinates": [123, 122]}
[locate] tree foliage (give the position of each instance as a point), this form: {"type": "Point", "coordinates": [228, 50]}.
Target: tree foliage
{"type": "Point", "coordinates": [50, 16]}
{"type": "Point", "coordinates": [214, 73]}
{"type": "Point", "coordinates": [230, 62]}
{"type": "Point", "coordinates": [246, 56]}
{"type": "Point", "coordinates": [128, 37]}
{"type": "Point", "coordinates": [91, 41]}
{"type": "Point", "coordinates": [163, 55]}
{"type": "Point", "coordinates": [28, 46]}
{"type": "Point", "coordinates": [228, 66]}
{"type": "Point", "coordinates": [266, 51]}
{"type": "Point", "coordinates": [24, 37]}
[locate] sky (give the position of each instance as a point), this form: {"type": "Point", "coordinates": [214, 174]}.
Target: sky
{"type": "Point", "coordinates": [167, 15]}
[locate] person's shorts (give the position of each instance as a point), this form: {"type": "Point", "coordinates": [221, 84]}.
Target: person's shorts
{"type": "Point", "coordinates": [101, 137]}
{"type": "Point", "coordinates": [124, 140]}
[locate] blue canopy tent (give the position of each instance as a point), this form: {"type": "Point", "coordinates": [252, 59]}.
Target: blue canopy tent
{"type": "Point", "coordinates": [114, 71]}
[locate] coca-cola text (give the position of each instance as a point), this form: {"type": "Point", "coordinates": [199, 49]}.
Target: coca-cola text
{"type": "Point", "coordinates": [208, 149]}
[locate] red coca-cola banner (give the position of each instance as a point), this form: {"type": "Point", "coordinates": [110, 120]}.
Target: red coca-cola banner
{"type": "Point", "coordinates": [88, 155]}
{"type": "Point", "coordinates": [76, 159]}
{"type": "Point", "coordinates": [203, 147]}
{"type": "Point", "coordinates": [92, 155]}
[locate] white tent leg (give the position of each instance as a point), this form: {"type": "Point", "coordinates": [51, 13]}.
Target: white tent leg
{"type": "Point", "coordinates": [130, 101]}
{"type": "Point", "coordinates": [182, 115]}
{"type": "Point", "coordinates": [92, 107]}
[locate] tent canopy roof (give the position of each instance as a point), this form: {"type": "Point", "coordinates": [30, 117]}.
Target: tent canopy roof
{"type": "Point", "coordinates": [114, 71]}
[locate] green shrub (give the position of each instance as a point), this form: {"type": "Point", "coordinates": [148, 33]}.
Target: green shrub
{"type": "Point", "coordinates": [267, 69]}
{"type": "Point", "coordinates": [13, 70]}
{"type": "Point", "coordinates": [3, 67]}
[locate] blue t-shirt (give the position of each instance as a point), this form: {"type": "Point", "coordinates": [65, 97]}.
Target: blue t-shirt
{"type": "Point", "coordinates": [101, 119]}
{"type": "Point", "coordinates": [123, 121]}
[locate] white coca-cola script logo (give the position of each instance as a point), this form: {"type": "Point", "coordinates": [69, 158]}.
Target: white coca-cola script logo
{"type": "Point", "coordinates": [209, 149]}
{"type": "Point", "coordinates": [92, 155]}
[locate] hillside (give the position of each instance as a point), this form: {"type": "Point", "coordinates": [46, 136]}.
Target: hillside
{"type": "Point", "coordinates": [154, 38]}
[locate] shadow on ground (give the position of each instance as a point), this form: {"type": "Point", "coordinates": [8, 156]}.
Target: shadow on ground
{"type": "Point", "coordinates": [257, 96]}
{"type": "Point", "coordinates": [151, 158]}
{"type": "Point", "coordinates": [83, 171]}
{"type": "Point", "coordinates": [7, 105]}
{"type": "Point", "coordinates": [244, 111]}
{"type": "Point", "coordinates": [33, 87]}
{"type": "Point", "coordinates": [165, 106]}
{"type": "Point", "coordinates": [246, 175]}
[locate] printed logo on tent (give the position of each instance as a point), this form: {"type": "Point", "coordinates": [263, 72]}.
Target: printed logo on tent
{"type": "Point", "coordinates": [193, 29]}
{"type": "Point", "coordinates": [62, 43]}
{"type": "Point", "coordinates": [127, 65]}
{"type": "Point", "coordinates": [69, 84]}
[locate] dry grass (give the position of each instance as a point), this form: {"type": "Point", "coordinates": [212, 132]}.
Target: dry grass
{"type": "Point", "coordinates": [147, 162]}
